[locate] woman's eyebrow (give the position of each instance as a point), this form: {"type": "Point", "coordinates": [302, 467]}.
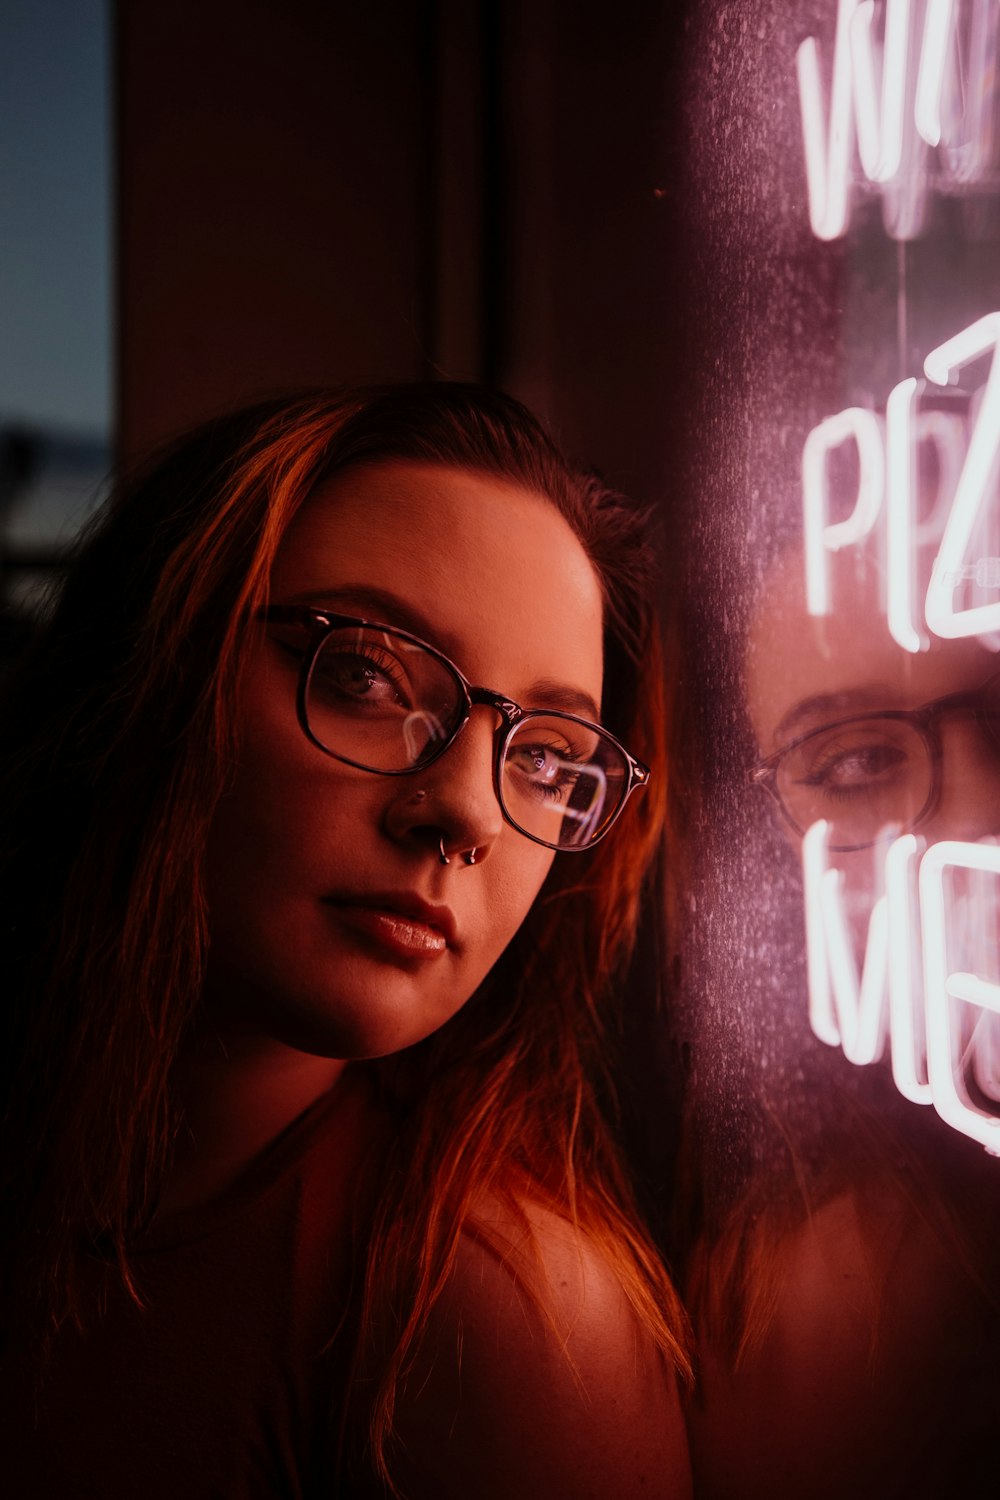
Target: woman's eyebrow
{"type": "Point", "coordinates": [826, 707]}
{"type": "Point", "coordinates": [545, 693]}
{"type": "Point", "coordinates": [383, 607]}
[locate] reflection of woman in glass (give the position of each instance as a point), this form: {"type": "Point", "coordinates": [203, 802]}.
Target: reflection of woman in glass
{"type": "Point", "coordinates": [863, 734]}
{"type": "Point", "coordinates": [253, 840]}
{"type": "Point", "coordinates": [846, 1297]}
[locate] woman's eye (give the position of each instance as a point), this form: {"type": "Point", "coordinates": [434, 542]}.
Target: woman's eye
{"type": "Point", "coordinates": [356, 678]}
{"type": "Point", "coordinates": [856, 770]}
{"type": "Point", "coordinates": [549, 771]}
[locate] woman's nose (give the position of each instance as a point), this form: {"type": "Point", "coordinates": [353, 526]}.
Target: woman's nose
{"type": "Point", "coordinates": [452, 806]}
{"type": "Point", "coordinates": [968, 806]}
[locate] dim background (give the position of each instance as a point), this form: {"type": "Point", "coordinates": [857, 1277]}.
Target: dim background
{"type": "Point", "coordinates": [204, 202]}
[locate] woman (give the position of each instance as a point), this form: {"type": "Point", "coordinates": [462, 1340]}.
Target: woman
{"type": "Point", "coordinates": [254, 842]}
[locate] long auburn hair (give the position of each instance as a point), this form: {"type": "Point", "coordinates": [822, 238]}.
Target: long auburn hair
{"type": "Point", "coordinates": [117, 734]}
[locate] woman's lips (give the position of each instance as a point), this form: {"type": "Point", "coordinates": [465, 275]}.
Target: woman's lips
{"type": "Point", "coordinates": [404, 925]}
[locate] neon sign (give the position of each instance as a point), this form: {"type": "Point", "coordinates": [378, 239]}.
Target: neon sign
{"type": "Point", "coordinates": [911, 112]}
{"type": "Point", "coordinates": [942, 1022]}
{"type": "Point", "coordinates": [919, 90]}
{"type": "Point", "coordinates": [887, 480]}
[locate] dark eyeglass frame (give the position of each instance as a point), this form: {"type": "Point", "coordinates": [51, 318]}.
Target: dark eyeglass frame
{"type": "Point", "coordinates": [923, 720]}
{"type": "Point", "coordinates": [321, 622]}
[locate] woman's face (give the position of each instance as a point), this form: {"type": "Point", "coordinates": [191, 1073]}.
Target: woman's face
{"type": "Point", "coordinates": [804, 672]}
{"type": "Point", "coordinates": [321, 877]}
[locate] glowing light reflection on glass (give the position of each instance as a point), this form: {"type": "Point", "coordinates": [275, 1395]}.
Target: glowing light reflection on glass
{"type": "Point", "coordinates": [939, 1052]}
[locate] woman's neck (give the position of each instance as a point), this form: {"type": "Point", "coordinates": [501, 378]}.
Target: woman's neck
{"type": "Point", "coordinates": [237, 1093]}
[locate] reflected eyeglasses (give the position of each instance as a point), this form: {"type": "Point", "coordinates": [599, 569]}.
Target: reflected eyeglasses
{"type": "Point", "coordinates": [384, 701]}
{"type": "Point", "coordinates": [873, 770]}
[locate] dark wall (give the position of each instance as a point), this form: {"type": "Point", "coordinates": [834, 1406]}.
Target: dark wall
{"type": "Point", "coordinates": [322, 192]}
{"type": "Point", "coordinates": [274, 177]}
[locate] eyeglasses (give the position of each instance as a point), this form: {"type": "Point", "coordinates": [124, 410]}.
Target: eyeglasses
{"type": "Point", "coordinates": [873, 770]}
{"type": "Point", "coordinates": [384, 701]}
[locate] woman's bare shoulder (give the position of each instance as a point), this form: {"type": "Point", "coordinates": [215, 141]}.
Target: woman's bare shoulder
{"type": "Point", "coordinates": [536, 1378]}
{"type": "Point", "coordinates": [871, 1370]}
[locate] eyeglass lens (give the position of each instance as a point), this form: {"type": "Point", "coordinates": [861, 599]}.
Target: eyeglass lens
{"type": "Point", "coordinates": [867, 774]}
{"type": "Point", "coordinates": [860, 777]}
{"type": "Point", "coordinates": [386, 703]}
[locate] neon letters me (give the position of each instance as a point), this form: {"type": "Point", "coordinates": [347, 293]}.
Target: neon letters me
{"type": "Point", "coordinates": [942, 1022]}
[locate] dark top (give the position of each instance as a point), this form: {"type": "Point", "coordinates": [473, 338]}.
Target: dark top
{"type": "Point", "coordinates": [231, 1381]}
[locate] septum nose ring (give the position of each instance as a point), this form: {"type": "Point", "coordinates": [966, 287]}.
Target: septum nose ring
{"type": "Point", "coordinates": [469, 855]}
